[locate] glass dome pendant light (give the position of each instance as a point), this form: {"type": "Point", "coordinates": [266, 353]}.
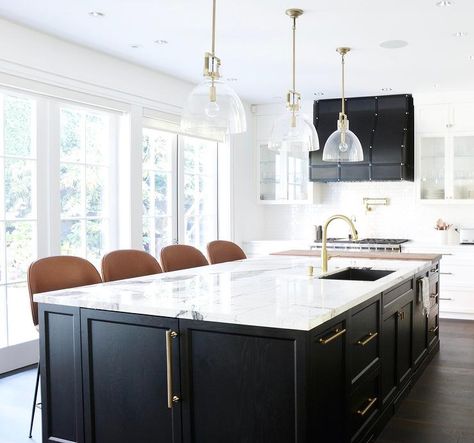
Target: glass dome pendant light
{"type": "Point", "coordinates": [293, 131]}
{"type": "Point", "coordinates": [213, 109]}
{"type": "Point", "coordinates": [343, 145]}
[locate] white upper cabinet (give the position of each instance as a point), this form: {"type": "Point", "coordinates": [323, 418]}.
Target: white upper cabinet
{"type": "Point", "coordinates": [445, 152]}
{"type": "Point", "coordinates": [282, 177]}
{"type": "Point", "coordinates": [433, 118]}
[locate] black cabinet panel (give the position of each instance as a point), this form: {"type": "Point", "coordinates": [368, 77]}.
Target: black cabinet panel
{"type": "Point", "coordinates": [364, 406]}
{"type": "Point", "coordinates": [324, 173]}
{"type": "Point", "coordinates": [361, 112]}
{"type": "Point", "coordinates": [125, 378]}
{"type": "Point", "coordinates": [389, 357]}
{"type": "Point", "coordinates": [325, 116]}
{"type": "Point", "coordinates": [328, 385]}
{"type": "Point", "coordinates": [385, 128]}
{"type": "Point", "coordinates": [391, 134]}
{"type": "Point", "coordinates": [364, 340]}
{"type": "Point", "coordinates": [404, 358]}
{"type": "Point", "coordinates": [61, 382]}
{"type": "Point", "coordinates": [240, 387]}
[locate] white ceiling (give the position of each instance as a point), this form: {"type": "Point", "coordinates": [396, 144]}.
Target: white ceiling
{"type": "Point", "coordinates": [253, 41]}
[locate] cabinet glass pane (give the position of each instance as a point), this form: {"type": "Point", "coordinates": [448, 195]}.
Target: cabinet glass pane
{"type": "Point", "coordinates": [433, 168]}
{"type": "Point", "coordinates": [270, 174]}
{"type": "Point", "coordinates": [463, 167]}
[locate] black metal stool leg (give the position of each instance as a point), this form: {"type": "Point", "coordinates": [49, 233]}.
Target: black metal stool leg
{"type": "Point", "coordinates": [34, 400]}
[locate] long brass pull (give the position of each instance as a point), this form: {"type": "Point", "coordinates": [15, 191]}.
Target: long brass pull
{"type": "Point", "coordinates": [169, 367]}
{"type": "Point", "coordinates": [434, 329]}
{"type": "Point", "coordinates": [337, 333]}
{"type": "Point", "coordinates": [364, 411]}
{"type": "Point", "coordinates": [370, 337]}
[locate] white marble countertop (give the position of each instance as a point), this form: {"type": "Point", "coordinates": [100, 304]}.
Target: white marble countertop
{"type": "Point", "coordinates": [272, 291]}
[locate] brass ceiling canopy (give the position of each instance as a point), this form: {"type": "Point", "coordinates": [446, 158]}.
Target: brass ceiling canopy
{"type": "Point", "coordinates": [294, 12]}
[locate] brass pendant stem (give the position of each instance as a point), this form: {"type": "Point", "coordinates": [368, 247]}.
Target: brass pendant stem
{"type": "Point", "coordinates": [343, 51]}
{"type": "Point", "coordinates": [294, 53]}
{"type": "Point", "coordinates": [213, 44]}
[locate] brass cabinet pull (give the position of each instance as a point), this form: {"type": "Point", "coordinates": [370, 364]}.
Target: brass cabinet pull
{"type": "Point", "coordinates": [370, 337]}
{"type": "Point", "coordinates": [169, 367]}
{"type": "Point", "coordinates": [434, 329]}
{"type": "Point", "coordinates": [401, 315]}
{"type": "Point", "coordinates": [364, 411]}
{"type": "Point", "coordinates": [446, 273]}
{"type": "Point", "coordinates": [337, 333]}
{"type": "Point", "coordinates": [446, 298]}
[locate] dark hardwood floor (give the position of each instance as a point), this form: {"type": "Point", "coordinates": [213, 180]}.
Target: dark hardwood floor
{"type": "Point", "coordinates": [440, 407]}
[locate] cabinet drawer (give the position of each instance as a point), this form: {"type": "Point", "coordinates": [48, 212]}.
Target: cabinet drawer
{"type": "Point", "coordinates": [433, 327]}
{"type": "Point", "coordinates": [391, 296]}
{"type": "Point", "coordinates": [364, 405]}
{"type": "Point", "coordinates": [457, 301]}
{"type": "Point", "coordinates": [364, 340]}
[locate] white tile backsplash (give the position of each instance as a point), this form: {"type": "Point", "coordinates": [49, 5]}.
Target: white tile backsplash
{"type": "Point", "coordinates": [404, 217]}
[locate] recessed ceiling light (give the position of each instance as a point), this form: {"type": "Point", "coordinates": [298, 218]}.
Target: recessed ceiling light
{"type": "Point", "coordinates": [393, 44]}
{"type": "Point", "coordinates": [161, 42]}
{"type": "Point", "coordinates": [136, 46]}
{"type": "Point", "coordinates": [444, 3]}
{"type": "Point", "coordinates": [231, 79]}
{"type": "Point", "coordinates": [318, 94]}
{"type": "Point", "coordinates": [460, 34]}
{"type": "Point", "coordinates": [96, 14]}
{"type": "Point", "coordinates": [387, 89]}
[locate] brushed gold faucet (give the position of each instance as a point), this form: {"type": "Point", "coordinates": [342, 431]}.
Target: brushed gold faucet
{"type": "Point", "coordinates": [324, 250]}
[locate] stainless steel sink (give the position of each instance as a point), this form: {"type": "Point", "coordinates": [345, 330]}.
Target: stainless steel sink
{"type": "Point", "coordinates": [361, 274]}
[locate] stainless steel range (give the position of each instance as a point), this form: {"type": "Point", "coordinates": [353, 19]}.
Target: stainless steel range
{"type": "Point", "coordinates": [365, 244]}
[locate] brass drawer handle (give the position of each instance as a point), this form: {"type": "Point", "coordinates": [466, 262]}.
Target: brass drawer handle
{"type": "Point", "coordinates": [433, 330]}
{"type": "Point", "coordinates": [370, 337]}
{"type": "Point", "coordinates": [169, 367]}
{"type": "Point", "coordinates": [401, 315]}
{"type": "Point", "coordinates": [446, 273]}
{"type": "Point", "coordinates": [337, 333]}
{"type": "Point", "coordinates": [364, 411]}
{"type": "Point", "coordinates": [446, 298]}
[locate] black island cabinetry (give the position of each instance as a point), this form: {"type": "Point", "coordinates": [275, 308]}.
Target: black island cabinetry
{"type": "Point", "coordinates": [117, 377]}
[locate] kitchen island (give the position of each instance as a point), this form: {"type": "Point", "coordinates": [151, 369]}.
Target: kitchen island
{"type": "Point", "coordinates": [249, 351]}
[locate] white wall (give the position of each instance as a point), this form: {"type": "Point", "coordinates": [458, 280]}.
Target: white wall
{"type": "Point", "coordinates": [34, 61]}
{"type": "Point", "coordinates": [405, 217]}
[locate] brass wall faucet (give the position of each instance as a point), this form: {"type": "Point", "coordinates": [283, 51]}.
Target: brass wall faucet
{"type": "Point", "coordinates": [324, 251]}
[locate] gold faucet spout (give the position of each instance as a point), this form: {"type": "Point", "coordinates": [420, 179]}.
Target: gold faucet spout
{"type": "Point", "coordinates": [324, 251]}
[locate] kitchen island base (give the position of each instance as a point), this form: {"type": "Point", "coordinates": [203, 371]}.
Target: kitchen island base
{"type": "Point", "coordinates": [119, 377]}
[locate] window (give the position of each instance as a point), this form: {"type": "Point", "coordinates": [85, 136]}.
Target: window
{"type": "Point", "coordinates": [18, 215]}
{"type": "Point", "coordinates": [85, 157]}
{"type": "Point", "coordinates": [179, 185]}
{"type": "Point", "coordinates": [159, 189]}
{"type": "Point", "coordinates": [199, 196]}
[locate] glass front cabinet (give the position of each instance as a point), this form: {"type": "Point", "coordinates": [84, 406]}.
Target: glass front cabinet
{"type": "Point", "coordinates": [283, 177]}
{"type": "Point", "coordinates": [445, 154]}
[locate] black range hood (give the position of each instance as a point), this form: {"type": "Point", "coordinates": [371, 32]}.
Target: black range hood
{"type": "Point", "coordinates": [385, 127]}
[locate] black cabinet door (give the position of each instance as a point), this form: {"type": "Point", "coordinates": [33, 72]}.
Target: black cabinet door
{"type": "Point", "coordinates": [420, 327]}
{"type": "Point", "coordinates": [404, 358]}
{"type": "Point", "coordinates": [389, 378]}
{"type": "Point", "coordinates": [125, 378]}
{"type": "Point", "coordinates": [329, 385]}
{"type": "Point", "coordinates": [61, 380]}
{"type": "Point", "coordinates": [242, 384]}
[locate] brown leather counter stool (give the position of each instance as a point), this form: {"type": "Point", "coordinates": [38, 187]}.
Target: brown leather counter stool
{"type": "Point", "coordinates": [51, 274]}
{"type": "Point", "coordinates": [220, 251]}
{"type": "Point", "coordinates": [176, 257]}
{"type": "Point", "coordinates": [128, 263]}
